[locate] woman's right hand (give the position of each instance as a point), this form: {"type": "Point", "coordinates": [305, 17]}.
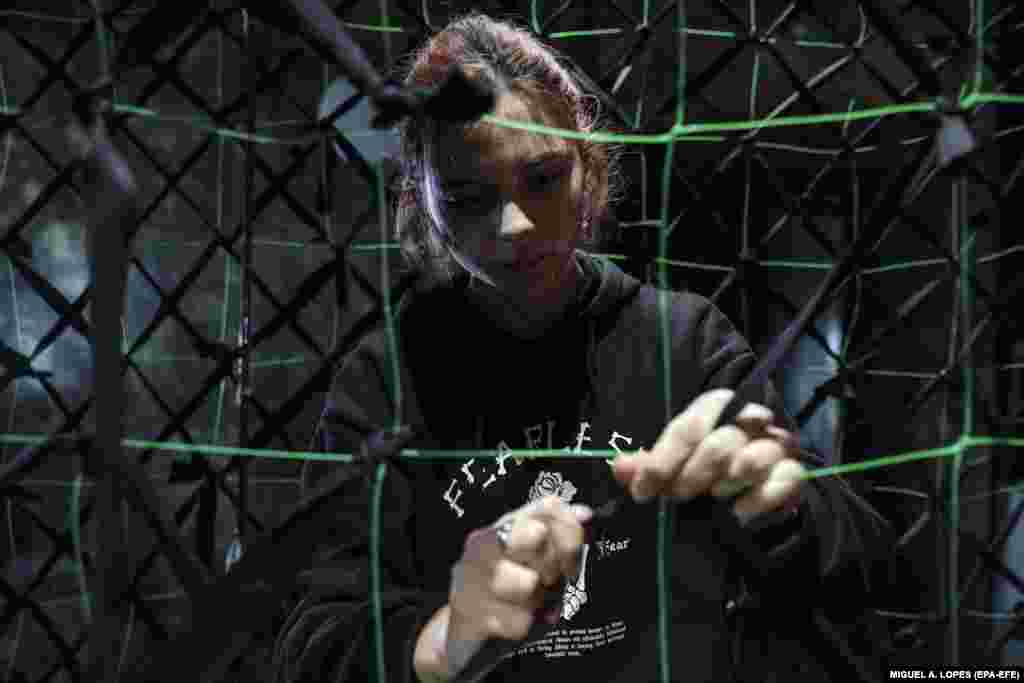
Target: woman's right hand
{"type": "Point", "coordinates": [495, 594]}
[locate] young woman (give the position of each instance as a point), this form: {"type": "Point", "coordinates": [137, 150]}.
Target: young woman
{"type": "Point", "coordinates": [520, 339]}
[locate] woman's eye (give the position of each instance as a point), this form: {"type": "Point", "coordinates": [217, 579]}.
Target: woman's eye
{"type": "Point", "coordinates": [473, 201]}
{"type": "Point", "coordinates": [545, 181]}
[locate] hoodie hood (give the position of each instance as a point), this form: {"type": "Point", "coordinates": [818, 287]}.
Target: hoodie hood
{"type": "Point", "coordinates": [608, 289]}
{"type": "Point", "coordinates": [614, 287]}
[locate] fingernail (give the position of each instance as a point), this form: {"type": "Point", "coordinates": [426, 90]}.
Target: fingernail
{"type": "Point", "coordinates": [475, 538]}
{"type": "Point", "coordinates": [441, 636]}
{"type": "Point", "coordinates": [583, 513]}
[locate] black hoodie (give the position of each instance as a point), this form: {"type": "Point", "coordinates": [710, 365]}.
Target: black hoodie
{"type": "Point", "coordinates": [594, 381]}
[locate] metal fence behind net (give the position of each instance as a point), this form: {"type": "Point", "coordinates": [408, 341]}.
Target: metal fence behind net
{"type": "Point", "coordinates": [191, 243]}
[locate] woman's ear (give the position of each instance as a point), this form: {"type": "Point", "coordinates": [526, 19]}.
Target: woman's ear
{"type": "Point", "coordinates": [585, 208]}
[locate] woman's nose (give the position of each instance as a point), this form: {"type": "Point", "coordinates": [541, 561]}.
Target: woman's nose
{"type": "Point", "coordinates": [514, 221]}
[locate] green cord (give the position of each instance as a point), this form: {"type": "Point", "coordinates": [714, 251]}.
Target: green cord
{"type": "Point", "coordinates": [680, 132]}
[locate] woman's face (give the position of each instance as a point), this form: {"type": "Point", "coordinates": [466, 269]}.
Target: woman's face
{"type": "Point", "coordinates": [512, 201]}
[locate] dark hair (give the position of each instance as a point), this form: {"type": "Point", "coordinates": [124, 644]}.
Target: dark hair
{"type": "Point", "coordinates": [505, 57]}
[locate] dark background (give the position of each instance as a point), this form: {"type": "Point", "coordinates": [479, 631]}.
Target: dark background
{"type": "Point", "coordinates": [770, 197]}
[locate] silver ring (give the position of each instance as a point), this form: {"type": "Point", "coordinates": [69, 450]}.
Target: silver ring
{"type": "Point", "coordinates": [503, 530]}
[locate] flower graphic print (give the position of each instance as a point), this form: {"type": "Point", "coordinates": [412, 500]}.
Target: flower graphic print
{"type": "Point", "coordinates": [552, 484]}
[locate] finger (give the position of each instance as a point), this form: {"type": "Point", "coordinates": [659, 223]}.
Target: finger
{"type": "Point", "coordinates": [753, 463]}
{"type": "Point", "coordinates": [509, 622]}
{"type": "Point", "coordinates": [538, 598]}
{"type": "Point", "coordinates": [626, 464]}
{"type": "Point", "coordinates": [512, 623]}
{"type": "Point", "coordinates": [754, 418]}
{"type": "Point", "coordinates": [514, 583]}
{"type": "Point", "coordinates": [526, 540]}
{"type": "Point", "coordinates": [653, 472]}
{"type": "Point", "coordinates": [522, 535]}
{"type": "Point", "coordinates": [471, 595]}
{"type": "Point", "coordinates": [528, 545]}
{"type": "Point", "coordinates": [656, 472]}
{"type": "Point", "coordinates": [490, 601]}
{"type": "Point", "coordinates": [709, 462]}
{"type": "Point", "coordinates": [481, 547]}
{"type": "Point", "coordinates": [565, 536]}
{"type": "Point", "coordinates": [542, 554]}
{"type": "Point", "coordinates": [781, 488]}
{"type": "Point", "coordinates": [689, 427]}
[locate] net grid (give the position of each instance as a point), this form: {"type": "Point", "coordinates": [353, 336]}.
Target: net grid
{"type": "Point", "coordinates": [229, 362]}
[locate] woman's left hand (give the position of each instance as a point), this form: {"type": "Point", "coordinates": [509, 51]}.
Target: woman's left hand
{"type": "Point", "coordinates": [690, 459]}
